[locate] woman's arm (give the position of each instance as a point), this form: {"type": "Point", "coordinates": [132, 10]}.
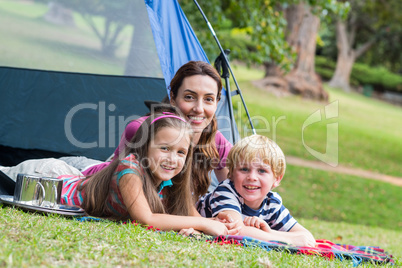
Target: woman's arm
{"type": "Point", "coordinates": [299, 236]}
{"type": "Point", "coordinates": [221, 174]}
{"type": "Point", "coordinates": [128, 134]}
{"type": "Point", "coordinates": [223, 146]}
{"type": "Point", "coordinates": [130, 186]}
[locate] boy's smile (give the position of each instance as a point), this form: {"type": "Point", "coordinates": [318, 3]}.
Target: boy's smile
{"type": "Point", "coordinates": [253, 180]}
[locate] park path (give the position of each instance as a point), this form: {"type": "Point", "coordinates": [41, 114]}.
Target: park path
{"type": "Point", "coordinates": [345, 170]}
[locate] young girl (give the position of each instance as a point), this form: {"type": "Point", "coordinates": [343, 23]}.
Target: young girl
{"type": "Point", "coordinates": [149, 182]}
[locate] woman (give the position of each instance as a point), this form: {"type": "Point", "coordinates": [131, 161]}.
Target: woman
{"type": "Point", "coordinates": [195, 90]}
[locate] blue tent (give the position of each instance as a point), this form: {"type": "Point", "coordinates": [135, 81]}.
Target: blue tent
{"type": "Point", "coordinates": [74, 73]}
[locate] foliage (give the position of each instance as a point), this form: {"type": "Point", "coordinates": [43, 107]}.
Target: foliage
{"type": "Point", "coordinates": [262, 20]}
{"type": "Point", "coordinates": [362, 74]}
{"type": "Point", "coordinates": [379, 77]}
{"type": "Point", "coordinates": [370, 20]}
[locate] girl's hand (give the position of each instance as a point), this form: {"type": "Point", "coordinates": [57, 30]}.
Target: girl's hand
{"type": "Point", "coordinates": [215, 228]}
{"type": "Point", "coordinates": [188, 232]}
{"type": "Point", "coordinates": [257, 223]}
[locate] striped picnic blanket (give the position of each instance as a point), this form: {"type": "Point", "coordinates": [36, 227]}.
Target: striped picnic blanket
{"type": "Point", "coordinates": [324, 248]}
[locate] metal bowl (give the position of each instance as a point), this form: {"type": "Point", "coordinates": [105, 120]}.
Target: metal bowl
{"type": "Point", "coordinates": [37, 191]}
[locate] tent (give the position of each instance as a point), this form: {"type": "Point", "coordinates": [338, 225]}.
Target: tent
{"type": "Point", "coordinates": [74, 73]}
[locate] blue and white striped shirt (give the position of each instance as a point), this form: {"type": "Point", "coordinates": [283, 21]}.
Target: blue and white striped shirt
{"type": "Point", "coordinates": [225, 197]}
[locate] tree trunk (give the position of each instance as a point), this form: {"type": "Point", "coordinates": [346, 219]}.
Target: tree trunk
{"type": "Point", "coordinates": [271, 69]}
{"type": "Point", "coordinates": [302, 79]}
{"type": "Point", "coordinates": [345, 61]}
{"type": "Point", "coordinates": [58, 14]}
{"type": "Point", "coordinates": [346, 56]}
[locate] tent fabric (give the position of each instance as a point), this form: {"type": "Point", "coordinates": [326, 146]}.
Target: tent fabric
{"type": "Point", "coordinates": [77, 101]}
{"type": "Point", "coordinates": [172, 34]}
{"type": "Point", "coordinates": [75, 114]}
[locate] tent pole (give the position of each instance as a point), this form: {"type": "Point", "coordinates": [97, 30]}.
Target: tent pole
{"type": "Point", "coordinates": [238, 91]}
{"type": "Point", "coordinates": [222, 68]}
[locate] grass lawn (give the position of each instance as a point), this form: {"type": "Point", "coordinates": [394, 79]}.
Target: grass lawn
{"type": "Point", "coordinates": [340, 208]}
{"type": "Point", "coordinates": [32, 240]}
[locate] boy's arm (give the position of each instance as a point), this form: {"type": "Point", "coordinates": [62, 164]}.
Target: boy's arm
{"type": "Point", "coordinates": [298, 229]}
{"type": "Point", "coordinates": [297, 236]}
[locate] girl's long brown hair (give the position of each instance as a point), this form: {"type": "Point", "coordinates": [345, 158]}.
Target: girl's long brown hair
{"type": "Point", "coordinates": [205, 151]}
{"type": "Point", "coordinates": [177, 198]}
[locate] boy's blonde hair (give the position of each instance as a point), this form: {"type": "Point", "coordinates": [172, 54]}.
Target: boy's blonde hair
{"type": "Point", "coordinates": [257, 146]}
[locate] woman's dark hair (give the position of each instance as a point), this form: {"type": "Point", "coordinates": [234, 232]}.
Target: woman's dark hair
{"type": "Point", "coordinates": [177, 199]}
{"type": "Point", "coordinates": [205, 151]}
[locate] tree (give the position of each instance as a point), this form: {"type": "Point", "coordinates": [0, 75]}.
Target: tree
{"type": "Point", "coordinates": [265, 23]}
{"type": "Point", "coordinates": [302, 29]}
{"type": "Point", "coordinates": [115, 14]}
{"type": "Point", "coordinates": [367, 22]}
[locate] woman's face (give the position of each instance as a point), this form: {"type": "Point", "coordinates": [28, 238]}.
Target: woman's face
{"type": "Point", "coordinates": [197, 100]}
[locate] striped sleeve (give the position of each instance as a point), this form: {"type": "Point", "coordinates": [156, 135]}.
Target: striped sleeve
{"type": "Point", "coordinates": [279, 217]}
{"type": "Point", "coordinates": [223, 198]}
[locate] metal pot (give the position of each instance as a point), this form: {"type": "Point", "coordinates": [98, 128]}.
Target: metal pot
{"type": "Point", "coordinates": [36, 191]}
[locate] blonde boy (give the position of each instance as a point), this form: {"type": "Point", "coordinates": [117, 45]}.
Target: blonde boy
{"type": "Point", "coordinates": [256, 166]}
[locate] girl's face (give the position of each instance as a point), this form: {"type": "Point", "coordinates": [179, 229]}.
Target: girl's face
{"type": "Point", "coordinates": [167, 153]}
{"type": "Point", "coordinates": [253, 180]}
{"type": "Point", "coordinates": [197, 100]}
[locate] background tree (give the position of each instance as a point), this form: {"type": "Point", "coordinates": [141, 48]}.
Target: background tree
{"type": "Point", "coordinates": [264, 24]}
{"type": "Point", "coordinates": [369, 24]}
{"type": "Point", "coordinates": [115, 17]}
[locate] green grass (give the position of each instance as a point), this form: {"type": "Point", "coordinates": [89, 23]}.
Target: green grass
{"type": "Point", "coordinates": [317, 194]}
{"type": "Point", "coordinates": [369, 130]}
{"type": "Point", "coordinates": [34, 240]}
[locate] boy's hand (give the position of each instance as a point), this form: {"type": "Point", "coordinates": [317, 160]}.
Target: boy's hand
{"type": "Point", "coordinates": [303, 239]}
{"type": "Point", "coordinates": [257, 223]}
{"type": "Point", "coordinates": [234, 226]}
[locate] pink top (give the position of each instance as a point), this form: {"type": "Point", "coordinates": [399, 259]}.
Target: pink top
{"type": "Point", "coordinates": [70, 195]}
{"type": "Point", "coordinates": [222, 145]}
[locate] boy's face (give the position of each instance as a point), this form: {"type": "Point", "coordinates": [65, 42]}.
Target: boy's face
{"type": "Point", "coordinates": [253, 180]}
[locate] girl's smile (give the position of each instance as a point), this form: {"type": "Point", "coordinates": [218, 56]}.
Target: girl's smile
{"type": "Point", "coordinates": [167, 153]}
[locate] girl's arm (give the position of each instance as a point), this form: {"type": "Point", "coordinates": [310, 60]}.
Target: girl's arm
{"type": "Point", "coordinates": [298, 235]}
{"type": "Point", "coordinates": [130, 186]}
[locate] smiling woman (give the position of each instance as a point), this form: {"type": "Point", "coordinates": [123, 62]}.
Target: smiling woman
{"type": "Point", "coordinates": [195, 90]}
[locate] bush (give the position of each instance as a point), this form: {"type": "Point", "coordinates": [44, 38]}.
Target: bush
{"type": "Point", "coordinates": [379, 77]}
